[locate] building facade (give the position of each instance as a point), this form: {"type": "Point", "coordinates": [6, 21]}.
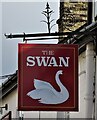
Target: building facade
{"type": "Point", "coordinates": [79, 22]}
{"type": "Point", "coordinates": [82, 21]}
{"type": "Point", "coordinates": [72, 15]}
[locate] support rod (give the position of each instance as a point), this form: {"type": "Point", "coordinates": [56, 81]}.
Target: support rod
{"type": "Point", "coordinates": [41, 34]}
{"type": "Point", "coordinates": [44, 38]}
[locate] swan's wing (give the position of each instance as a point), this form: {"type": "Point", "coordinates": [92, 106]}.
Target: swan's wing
{"type": "Point", "coordinates": [42, 84]}
{"type": "Point", "coordinates": [45, 96]}
{"type": "Point", "coordinates": [35, 94]}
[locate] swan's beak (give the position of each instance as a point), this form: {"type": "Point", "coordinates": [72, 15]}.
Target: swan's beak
{"type": "Point", "coordinates": [61, 72]}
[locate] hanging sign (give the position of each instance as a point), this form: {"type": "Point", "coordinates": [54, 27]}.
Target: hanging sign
{"type": "Point", "coordinates": [48, 77]}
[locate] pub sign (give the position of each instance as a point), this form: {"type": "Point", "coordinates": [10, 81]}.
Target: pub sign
{"type": "Point", "coordinates": [47, 77]}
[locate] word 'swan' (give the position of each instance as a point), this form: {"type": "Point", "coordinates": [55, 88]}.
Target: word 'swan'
{"type": "Point", "coordinates": [47, 61]}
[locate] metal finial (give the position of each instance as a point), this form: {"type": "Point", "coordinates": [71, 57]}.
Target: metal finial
{"type": "Point", "coordinates": [47, 6]}
{"type": "Point", "coordinates": [47, 13]}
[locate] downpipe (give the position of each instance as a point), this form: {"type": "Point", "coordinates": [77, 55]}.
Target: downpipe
{"type": "Point", "coordinates": [90, 81]}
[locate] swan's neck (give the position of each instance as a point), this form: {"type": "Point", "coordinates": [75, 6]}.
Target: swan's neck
{"type": "Point", "coordinates": [59, 83]}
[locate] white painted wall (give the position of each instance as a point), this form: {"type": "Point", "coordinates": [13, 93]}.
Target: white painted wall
{"type": "Point", "coordinates": [90, 73]}
{"type": "Point", "coordinates": [94, 10]}
{"type": "Point", "coordinates": [82, 86]}
{"type": "Point", "coordinates": [11, 100]}
{"type": "Point", "coordinates": [96, 92]}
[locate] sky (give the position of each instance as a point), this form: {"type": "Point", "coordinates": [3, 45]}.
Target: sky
{"type": "Point", "coordinates": [18, 17]}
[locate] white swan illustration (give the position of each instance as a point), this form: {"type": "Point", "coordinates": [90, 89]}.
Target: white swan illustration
{"type": "Point", "coordinates": [46, 94]}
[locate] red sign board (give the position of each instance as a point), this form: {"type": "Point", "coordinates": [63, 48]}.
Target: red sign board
{"type": "Point", "coordinates": [48, 77]}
